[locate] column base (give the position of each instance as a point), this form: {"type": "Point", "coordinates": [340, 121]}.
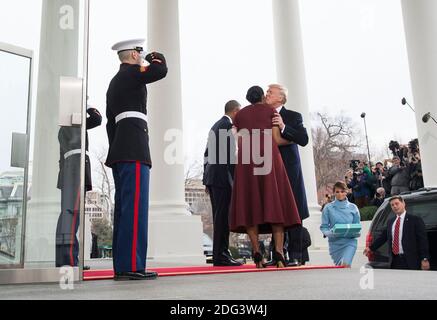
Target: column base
{"type": "Point", "coordinates": [175, 238]}
{"type": "Point", "coordinates": [40, 239]}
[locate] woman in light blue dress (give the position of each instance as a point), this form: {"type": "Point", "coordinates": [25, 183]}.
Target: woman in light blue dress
{"type": "Point", "coordinates": [341, 211]}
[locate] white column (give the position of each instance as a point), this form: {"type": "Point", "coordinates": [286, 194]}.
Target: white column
{"type": "Point", "coordinates": [420, 21]}
{"type": "Point", "coordinates": [290, 66]}
{"type": "Point", "coordinates": [58, 56]}
{"type": "Point", "coordinates": [173, 232]}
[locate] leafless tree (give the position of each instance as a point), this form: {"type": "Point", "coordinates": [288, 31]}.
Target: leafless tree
{"type": "Point", "coordinates": [105, 182]}
{"type": "Point", "coordinates": [8, 235]}
{"type": "Point", "coordinates": [202, 205]}
{"type": "Point", "coordinates": [193, 171]}
{"type": "Point", "coordinates": [336, 141]}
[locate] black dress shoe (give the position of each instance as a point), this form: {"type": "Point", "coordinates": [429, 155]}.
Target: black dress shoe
{"type": "Point", "coordinates": [150, 275]}
{"type": "Point", "coordinates": [227, 263]}
{"type": "Point", "coordinates": [124, 276]}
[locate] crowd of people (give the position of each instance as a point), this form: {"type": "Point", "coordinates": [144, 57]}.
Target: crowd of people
{"type": "Point", "coordinates": [367, 185]}
{"type": "Point", "coordinates": [370, 185]}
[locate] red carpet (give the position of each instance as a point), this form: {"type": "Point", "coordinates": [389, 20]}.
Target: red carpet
{"type": "Point", "coordinates": [188, 271]}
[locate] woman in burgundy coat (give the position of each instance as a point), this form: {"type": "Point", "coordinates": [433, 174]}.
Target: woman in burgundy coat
{"type": "Point", "coordinates": [262, 198]}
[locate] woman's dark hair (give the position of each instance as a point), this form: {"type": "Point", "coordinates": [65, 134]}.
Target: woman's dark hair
{"type": "Point", "coordinates": [255, 95]}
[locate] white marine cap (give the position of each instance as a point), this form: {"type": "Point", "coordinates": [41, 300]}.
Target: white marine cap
{"type": "Point", "coordinates": [135, 44]}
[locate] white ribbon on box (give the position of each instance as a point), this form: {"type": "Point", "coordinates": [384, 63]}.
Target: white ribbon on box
{"type": "Point", "coordinates": [348, 226]}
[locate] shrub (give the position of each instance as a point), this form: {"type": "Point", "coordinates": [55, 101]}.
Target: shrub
{"type": "Point", "coordinates": [234, 252]}
{"type": "Point", "coordinates": [367, 213]}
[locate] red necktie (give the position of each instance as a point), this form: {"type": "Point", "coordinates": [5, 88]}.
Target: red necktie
{"type": "Point", "coordinates": [396, 236]}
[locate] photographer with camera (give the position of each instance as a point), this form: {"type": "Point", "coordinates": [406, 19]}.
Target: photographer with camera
{"type": "Point", "coordinates": [400, 177]}
{"type": "Point", "coordinates": [406, 172]}
{"type": "Point", "coordinates": [378, 173]}
{"type": "Point", "coordinates": [359, 184]}
{"type": "Point", "coordinates": [416, 176]}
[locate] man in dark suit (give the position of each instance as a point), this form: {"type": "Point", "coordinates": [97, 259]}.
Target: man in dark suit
{"type": "Point", "coordinates": [407, 239]}
{"type": "Point", "coordinates": [291, 125]}
{"type": "Point", "coordinates": [218, 178]}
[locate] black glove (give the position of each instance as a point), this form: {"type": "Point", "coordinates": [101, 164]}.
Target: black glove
{"type": "Point", "coordinates": [91, 111]}
{"type": "Point", "coordinates": [155, 55]}
{"type": "Point", "coordinates": [149, 57]}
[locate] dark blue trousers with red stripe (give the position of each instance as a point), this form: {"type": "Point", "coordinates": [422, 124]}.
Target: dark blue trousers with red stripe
{"type": "Point", "coordinates": [129, 245]}
{"type": "Point", "coordinates": [67, 245]}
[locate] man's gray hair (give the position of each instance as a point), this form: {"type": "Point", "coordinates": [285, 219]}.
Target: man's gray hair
{"type": "Point", "coordinates": [124, 55]}
{"type": "Point", "coordinates": [282, 90]}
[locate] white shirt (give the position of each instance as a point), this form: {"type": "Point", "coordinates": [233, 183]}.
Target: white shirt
{"type": "Point", "coordinates": [230, 119]}
{"type": "Point", "coordinates": [279, 111]}
{"type": "Point", "coordinates": [401, 231]}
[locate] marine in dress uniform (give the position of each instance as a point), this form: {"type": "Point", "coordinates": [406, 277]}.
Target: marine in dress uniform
{"type": "Point", "coordinates": [67, 245]}
{"type": "Point", "coordinates": [129, 155]}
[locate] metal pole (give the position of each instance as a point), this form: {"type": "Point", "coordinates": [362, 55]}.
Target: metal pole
{"type": "Point", "coordinates": [83, 147]}
{"type": "Point", "coordinates": [367, 140]}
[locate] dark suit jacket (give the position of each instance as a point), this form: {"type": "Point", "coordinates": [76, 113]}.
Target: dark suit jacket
{"type": "Point", "coordinates": [414, 240]}
{"type": "Point", "coordinates": [218, 174]}
{"type": "Point", "coordinates": [296, 132]}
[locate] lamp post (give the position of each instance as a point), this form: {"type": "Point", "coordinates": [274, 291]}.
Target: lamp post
{"type": "Point", "coordinates": [405, 102]}
{"type": "Point", "coordinates": [428, 116]}
{"type": "Point", "coordinates": [363, 115]}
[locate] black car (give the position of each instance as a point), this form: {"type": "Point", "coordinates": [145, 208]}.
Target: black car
{"type": "Point", "coordinates": [422, 203]}
{"type": "Point", "coordinates": [245, 252]}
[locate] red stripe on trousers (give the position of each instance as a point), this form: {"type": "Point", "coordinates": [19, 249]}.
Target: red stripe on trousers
{"type": "Point", "coordinates": [136, 210]}
{"type": "Point", "coordinates": [73, 226]}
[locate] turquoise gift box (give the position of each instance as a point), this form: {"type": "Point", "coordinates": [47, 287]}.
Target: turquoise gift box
{"type": "Point", "coordinates": [347, 230]}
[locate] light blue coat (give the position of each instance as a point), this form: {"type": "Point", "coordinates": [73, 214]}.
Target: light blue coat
{"type": "Point", "coordinates": [341, 249]}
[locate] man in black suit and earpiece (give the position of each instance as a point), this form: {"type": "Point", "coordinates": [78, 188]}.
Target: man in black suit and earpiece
{"type": "Point", "coordinates": [406, 238]}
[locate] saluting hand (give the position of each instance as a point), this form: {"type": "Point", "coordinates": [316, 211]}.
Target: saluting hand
{"type": "Point", "coordinates": [155, 56]}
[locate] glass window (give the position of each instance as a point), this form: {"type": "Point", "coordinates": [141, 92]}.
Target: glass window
{"type": "Point", "coordinates": [36, 137]}
{"type": "Point", "coordinates": [426, 209]}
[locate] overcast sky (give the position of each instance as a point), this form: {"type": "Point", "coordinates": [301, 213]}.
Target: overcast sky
{"type": "Point", "coordinates": [355, 55]}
